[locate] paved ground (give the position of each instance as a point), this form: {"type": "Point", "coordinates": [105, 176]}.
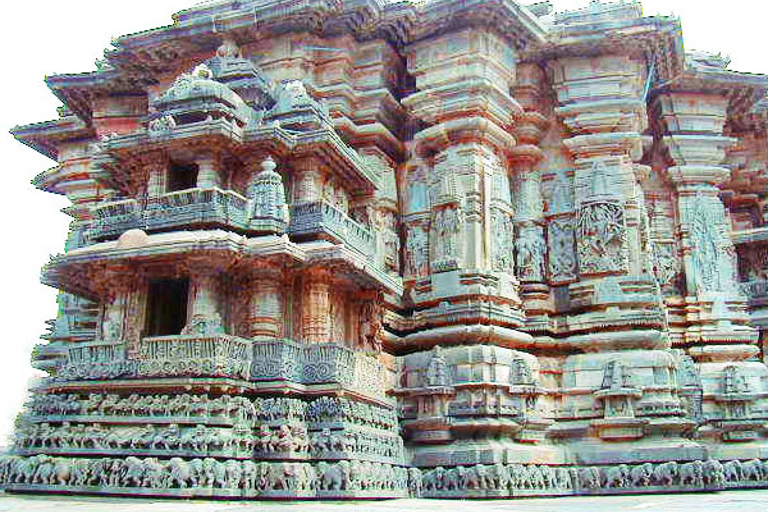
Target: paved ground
{"type": "Point", "coordinates": [734, 501]}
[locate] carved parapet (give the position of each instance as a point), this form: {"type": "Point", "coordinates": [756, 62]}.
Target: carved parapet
{"type": "Point", "coordinates": [195, 356]}
{"type": "Point", "coordinates": [322, 220]}
{"type": "Point", "coordinates": [324, 363]}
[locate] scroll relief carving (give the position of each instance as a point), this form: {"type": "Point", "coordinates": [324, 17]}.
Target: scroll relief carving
{"type": "Point", "coordinates": [562, 253]}
{"type": "Point", "coordinates": [712, 250]}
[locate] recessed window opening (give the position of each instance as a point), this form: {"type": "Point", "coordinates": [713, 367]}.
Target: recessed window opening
{"type": "Point", "coordinates": [182, 176]}
{"type": "Point", "coordinates": [167, 306]}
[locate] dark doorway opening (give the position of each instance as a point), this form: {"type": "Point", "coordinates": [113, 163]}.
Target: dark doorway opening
{"type": "Point", "coordinates": [182, 176]}
{"type": "Point", "coordinates": [167, 306]}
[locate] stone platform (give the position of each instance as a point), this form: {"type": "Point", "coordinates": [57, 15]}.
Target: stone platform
{"type": "Point", "coordinates": [723, 502]}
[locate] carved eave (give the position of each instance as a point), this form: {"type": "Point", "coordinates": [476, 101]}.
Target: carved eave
{"type": "Point", "coordinates": [506, 17]}
{"type": "Point", "coordinates": [45, 137]}
{"type": "Point", "coordinates": [323, 144]}
{"type": "Point", "coordinates": [85, 271]}
{"type": "Point", "coordinates": [357, 268]}
{"type": "Point", "coordinates": [657, 38]}
{"type": "Point", "coordinates": [744, 91]}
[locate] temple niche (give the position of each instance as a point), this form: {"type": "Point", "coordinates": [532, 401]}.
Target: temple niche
{"type": "Point", "coordinates": [429, 249]}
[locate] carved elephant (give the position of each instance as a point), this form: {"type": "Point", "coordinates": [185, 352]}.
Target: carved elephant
{"type": "Point", "coordinates": [752, 470]}
{"type": "Point", "coordinates": [732, 471]}
{"type": "Point", "coordinates": [563, 479]}
{"type": "Point", "coordinates": [665, 473]}
{"type": "Point", "coordinates": [45, 471]}
{"type": "Point", "coordinates": [332, 477]}
{"type": "Point", "coordinates": [535, 477]}
{"type": "Point", "coordinates": [234, 473]}
{"type": "Point", "coordinates": [133, 472]}
{"type": "Point", "coordinates": [691, 473]}
{"type": "Point", "coordinates": [498, 477]}
{"type": "Point", "coordinates": [590, 478]}
{"type": "Point", "coordinates": [215, 473]}
{"type": "Point", "coordinates": [249, 476]}
{"type": "Point", "coordinates": [454, 479]}
{"type": "Point", "coordinates": [81, 472]}
{"type": "Point", "coordinates": [62, 471]}
{"type": "Point", "coordinates": [713, 473]}
{"type": "Point", "coordinates": [642, 475]}
{"type": "Point", "coordinates": [433, 479]}
{"type": "Point", "coordinates": [617, 476]}
{"type": "Point", "coordinates": [155, 474]}
{"type": "Point", "coordinates": [548, 475]}
{"type": "Point", "coordinates": [180, 473]}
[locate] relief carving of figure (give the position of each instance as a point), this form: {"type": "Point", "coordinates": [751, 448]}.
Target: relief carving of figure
{"type": "Point", "coordinates": [602, 238]}
{"type": "Point", "coordinates": [501, 227]}
{"type": "Point", "coordinates": [530, 253]}
{"type": "Point", "coordinates": [447, 228]}
{"type": "Point", "coordinates": [416, 252]}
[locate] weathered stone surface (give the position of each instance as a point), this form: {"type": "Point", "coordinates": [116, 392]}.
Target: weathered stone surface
{"type": "Point", "coordinates": [437, 249]}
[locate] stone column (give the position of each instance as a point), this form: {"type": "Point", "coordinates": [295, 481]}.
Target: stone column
{"type": "Point", "coordinates": [461, 201]}
{"type": "Point", "coordinates": [124, 309]}
{"type": "Point", "coordinates": [316, 316]}
{"type": "Point", "coordinates": [529, 208]}
{"type": "Point", "coordinates": [308, 181]}
{"type": "Point", "coordinates": [209, 172]}
{"type": "Point", "coordinates": [265, 312]}
{"type": "Point", "coordinates": [715, 308]}
{"type": "Point", "coordinates": [601, 103]}
{"type": "Point", "coordinates": [613, 294]}
{"type": "Point", "coordinates": [204, 309]}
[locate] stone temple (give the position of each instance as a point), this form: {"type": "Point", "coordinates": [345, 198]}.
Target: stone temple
{"type": "Point", "coordinates": [359, 248]}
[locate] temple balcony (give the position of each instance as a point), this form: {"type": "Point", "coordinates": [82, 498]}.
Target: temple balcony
{"type": "Point", "coordinates": [192, 208]}
{"type": "Point", "coordinates": [321, 220]}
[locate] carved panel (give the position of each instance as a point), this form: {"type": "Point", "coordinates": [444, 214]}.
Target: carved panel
{"type": "Point", "coordinates": [563, 266]}
{"type": "Point", "coordinates": [602, 242]}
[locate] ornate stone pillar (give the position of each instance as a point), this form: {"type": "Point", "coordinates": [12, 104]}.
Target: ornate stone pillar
{"type": "Point", "coordinates": [529, 221]}
{"type": "Point", "coordinates": [613, 294]}
{"type": "Point", "coordinates": [124, 308]}
{"type": "Point", "coordinates": [458, 203]}
{"type": "Point", "coordinates": [316, 317]}
{"type": "Point", "coordinates": [209, 172]}
{"type": "Point", "coordinates": [715, 308]}
{"type": "Point", "coordinates": [601, 103]}
{"type": "Point", "coordinates": [308, 181]}
{"type": "Point", "coordinates": [265, 312]}
{"type": "Point", "coordinates": [204, 308]}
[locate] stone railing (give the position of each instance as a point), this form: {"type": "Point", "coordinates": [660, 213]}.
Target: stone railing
{"type": "Point", "coordinates": [228, 356]}
{"type": "Point", "coordinates": [195, 356]}
{"type": "Point", "coordinates": [756, 291]}
{"type": "Point", "coordinates": [317, 364]}
{"type": "Point", "coordinates": [196, 206]}
{"type": "Point", "coordinates": [96, 360]}
{"type": "Point", "coordinates": [323, 219]}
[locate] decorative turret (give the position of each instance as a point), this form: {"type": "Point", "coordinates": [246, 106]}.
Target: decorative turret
{"type": "Point", "coordinates": [196, 97]}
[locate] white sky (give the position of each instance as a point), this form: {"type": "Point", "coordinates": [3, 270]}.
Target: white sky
{"type": "Point", "coordinates": [54, 36]}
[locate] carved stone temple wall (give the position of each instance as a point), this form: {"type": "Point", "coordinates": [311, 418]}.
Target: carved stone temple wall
{"type": "Point", "coordinates": [349, 249]}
